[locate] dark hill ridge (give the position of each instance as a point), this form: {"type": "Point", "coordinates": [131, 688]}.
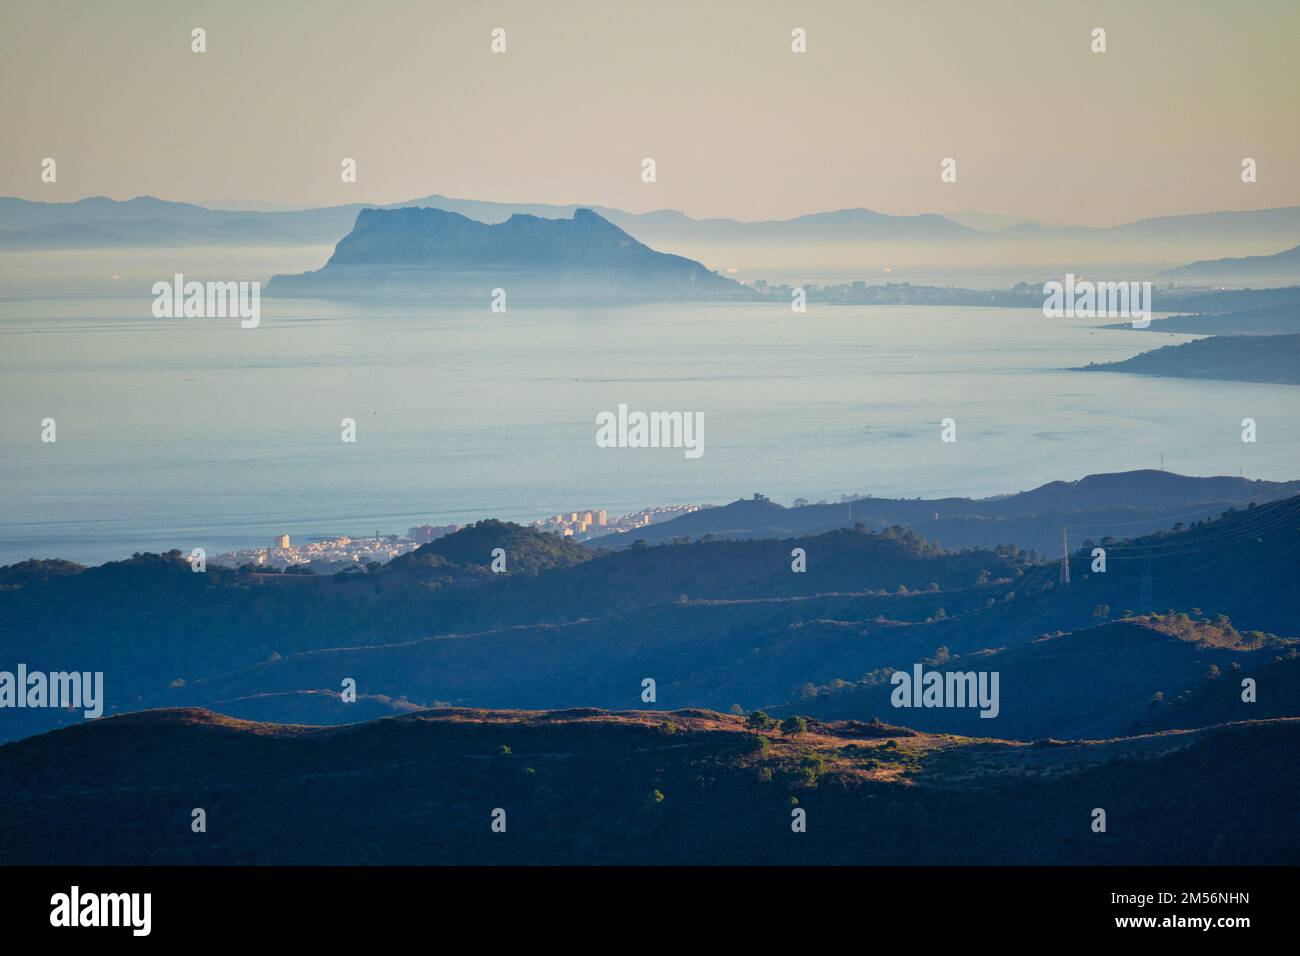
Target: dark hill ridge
{"type": "Point", "coordinates": [1219, 701]}
{"type": "Point", "coordinates": [759, 652]}
{"type": "Point", "coordinates": [445, 251]}
{"type": "Point", "coordinates": [1100, 491]}
{"type": "Point", "coordinates": [842, 561]}
{"type": "Point", "coordinates": [585, 786]}
{"type": "Point", "coordinates": [526, 551]}
{"type": "Point", "coordinates": [715, 623]}
{"type": "Point", "coordinates": [1123, 504]}
{"type": "Point", "coordinates": [703, 650]}
{"type": "Point", "coordinates": [1095, 683]}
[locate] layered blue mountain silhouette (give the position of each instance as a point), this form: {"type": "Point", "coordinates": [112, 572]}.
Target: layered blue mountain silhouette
{"type": "Point", "coordinates": [146, 221]}
{"type": "Point", "coordinates": [1201, 569]}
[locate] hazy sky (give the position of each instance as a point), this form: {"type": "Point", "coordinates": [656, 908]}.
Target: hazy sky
{"type": "Point", "coordinates": [739, 125]}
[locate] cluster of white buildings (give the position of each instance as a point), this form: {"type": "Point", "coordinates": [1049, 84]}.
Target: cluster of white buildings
{"type": "Point", "coordinates": [583, 525]}
{"type": "Point", "coordinates": [574, 524]}
{"type": "Point", "coordinates": [336, 553]}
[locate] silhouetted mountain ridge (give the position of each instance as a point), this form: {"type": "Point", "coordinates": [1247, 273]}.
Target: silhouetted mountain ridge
{"type": "Point", "coordinates": [876, 236]}
{"type": "Point", "coordinates": [715, 623]}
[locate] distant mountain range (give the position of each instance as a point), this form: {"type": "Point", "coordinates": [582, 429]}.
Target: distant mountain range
{"type": "Point", "coordinates": [417, 249]}
{"type": "Point", "coordinates": [144, 221]}
{"type": "Point", "coordinates": [99, 220]}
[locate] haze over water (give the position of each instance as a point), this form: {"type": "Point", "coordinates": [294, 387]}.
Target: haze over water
{"type": "Point", "coordinates": [197, 433]}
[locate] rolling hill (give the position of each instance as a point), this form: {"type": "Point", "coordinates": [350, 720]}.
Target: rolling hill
{"type": "Point", "coordinates": [1129, 668]}
{"type": "Point", "coordinates": [591, 787]}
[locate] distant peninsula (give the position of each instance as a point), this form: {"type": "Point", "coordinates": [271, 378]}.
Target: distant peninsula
{"type": "Point", "coordinates": [424, 251]}
{"type": "Point", "coordinates": [1244, 312]}
{"type": "Point", "coordinates": [1274, 359]}
{"type": "Point", "coordinates": [1283, 265]}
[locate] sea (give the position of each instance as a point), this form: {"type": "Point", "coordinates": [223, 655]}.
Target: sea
{"type": "Point", "coordinates": [184, 433]}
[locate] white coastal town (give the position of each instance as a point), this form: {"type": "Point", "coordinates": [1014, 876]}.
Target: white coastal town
{"type": "Point", "coordinates": [322, 555]}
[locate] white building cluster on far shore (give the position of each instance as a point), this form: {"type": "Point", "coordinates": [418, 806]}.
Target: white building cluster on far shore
{"type": "Point", "coordinates": [587, 524]}
{"type": "Point", "coordinates": [575, 524]}
{"type": "Point", "coordinates": [332, 554]}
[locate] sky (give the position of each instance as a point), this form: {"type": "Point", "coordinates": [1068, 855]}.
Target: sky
{"type": "Point", "coordinates": [739, 126]}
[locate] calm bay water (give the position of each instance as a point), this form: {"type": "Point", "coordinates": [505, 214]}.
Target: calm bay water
{"type": "Point", "coordinates": [197, 433]}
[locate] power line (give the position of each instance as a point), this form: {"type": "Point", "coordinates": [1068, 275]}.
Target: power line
{"type": "Point", "coordinates": [1065, 556]}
